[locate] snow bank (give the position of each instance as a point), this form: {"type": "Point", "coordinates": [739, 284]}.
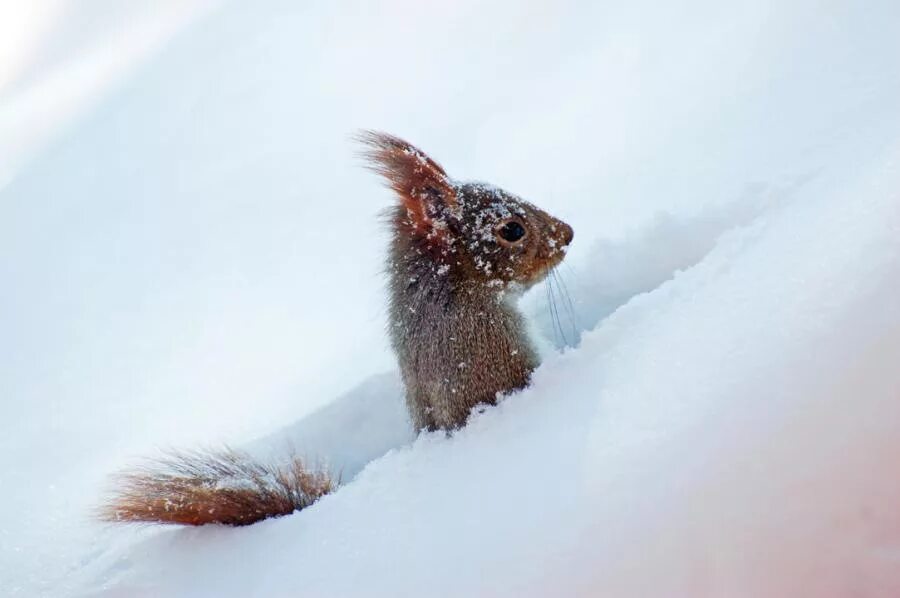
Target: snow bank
{"type": "Point", "coordinates": [574, 301]}
{"type": "Point", "coordinates": [716, 436]}
{"type": "Point", "coordinates": [348, 433]}
{"type": "Point", "coordinates": [196, 260]}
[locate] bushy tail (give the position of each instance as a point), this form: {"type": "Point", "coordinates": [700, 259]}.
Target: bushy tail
{"type": "Point", "coordinates": [220, 486]}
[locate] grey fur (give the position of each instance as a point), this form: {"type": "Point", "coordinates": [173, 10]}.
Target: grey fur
{"type": "Point", "coordinates": [459, 338]}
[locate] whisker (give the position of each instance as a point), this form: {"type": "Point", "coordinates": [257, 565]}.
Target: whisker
{"type": "Point", "coordinates": [558, 291]}
{"type": "Point", "coordinates": [568, 304]}
{"type": "Point", "coordinates": [570, 269]}
{"type": "Point", "coordinates": [555, 312]}
{"type": "Point", "coordinates": [549, 291]}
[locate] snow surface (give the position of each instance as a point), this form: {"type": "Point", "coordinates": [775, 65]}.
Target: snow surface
{"type": "Point", "coordinates": [196, 259]}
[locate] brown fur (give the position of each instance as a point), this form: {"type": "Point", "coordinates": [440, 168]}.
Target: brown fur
{"type": "Point", "coordinates": [459, 339]}
{"type": "Point", "coordinates": [417, 180]}
{"type": "Point", "coordinates": [201, 487]}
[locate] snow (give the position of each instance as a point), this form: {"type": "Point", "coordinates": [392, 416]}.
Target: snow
{"type": "Point", "coordinates": [57, 58]}
{"type": "Point", "coordinates": [196, 259]}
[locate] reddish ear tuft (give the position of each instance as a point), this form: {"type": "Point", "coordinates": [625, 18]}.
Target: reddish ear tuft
{"type": "Point", "coordinates": [421, 184]}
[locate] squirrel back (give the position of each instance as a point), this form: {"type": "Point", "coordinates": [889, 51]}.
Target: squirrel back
{"type": "Point", "coordinates": [460, 255]}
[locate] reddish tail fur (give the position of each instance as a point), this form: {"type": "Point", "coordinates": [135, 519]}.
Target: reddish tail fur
{"type": "Point", "coordinates": [201, 487]}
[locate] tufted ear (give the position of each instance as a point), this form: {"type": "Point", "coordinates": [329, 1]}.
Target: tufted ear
{"type": "Point", "coordinates": [420, 183]}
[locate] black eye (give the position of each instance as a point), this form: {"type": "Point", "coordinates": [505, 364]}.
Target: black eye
{"type": "Point", "coordinates": [511, 231]}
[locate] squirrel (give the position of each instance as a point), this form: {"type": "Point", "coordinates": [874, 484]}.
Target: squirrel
{"type": "Point", "coordinates": [460, 254]}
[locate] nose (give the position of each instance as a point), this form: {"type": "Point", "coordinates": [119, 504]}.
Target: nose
{"type": "Point", "coordinates": [567, 233]}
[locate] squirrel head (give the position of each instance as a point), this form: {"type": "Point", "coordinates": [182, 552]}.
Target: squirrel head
{"type": "Point", "coordinates": [473, 232]}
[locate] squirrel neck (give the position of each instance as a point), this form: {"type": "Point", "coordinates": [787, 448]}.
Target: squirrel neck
{"type": "Point", "coordinates": [459, 343]}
